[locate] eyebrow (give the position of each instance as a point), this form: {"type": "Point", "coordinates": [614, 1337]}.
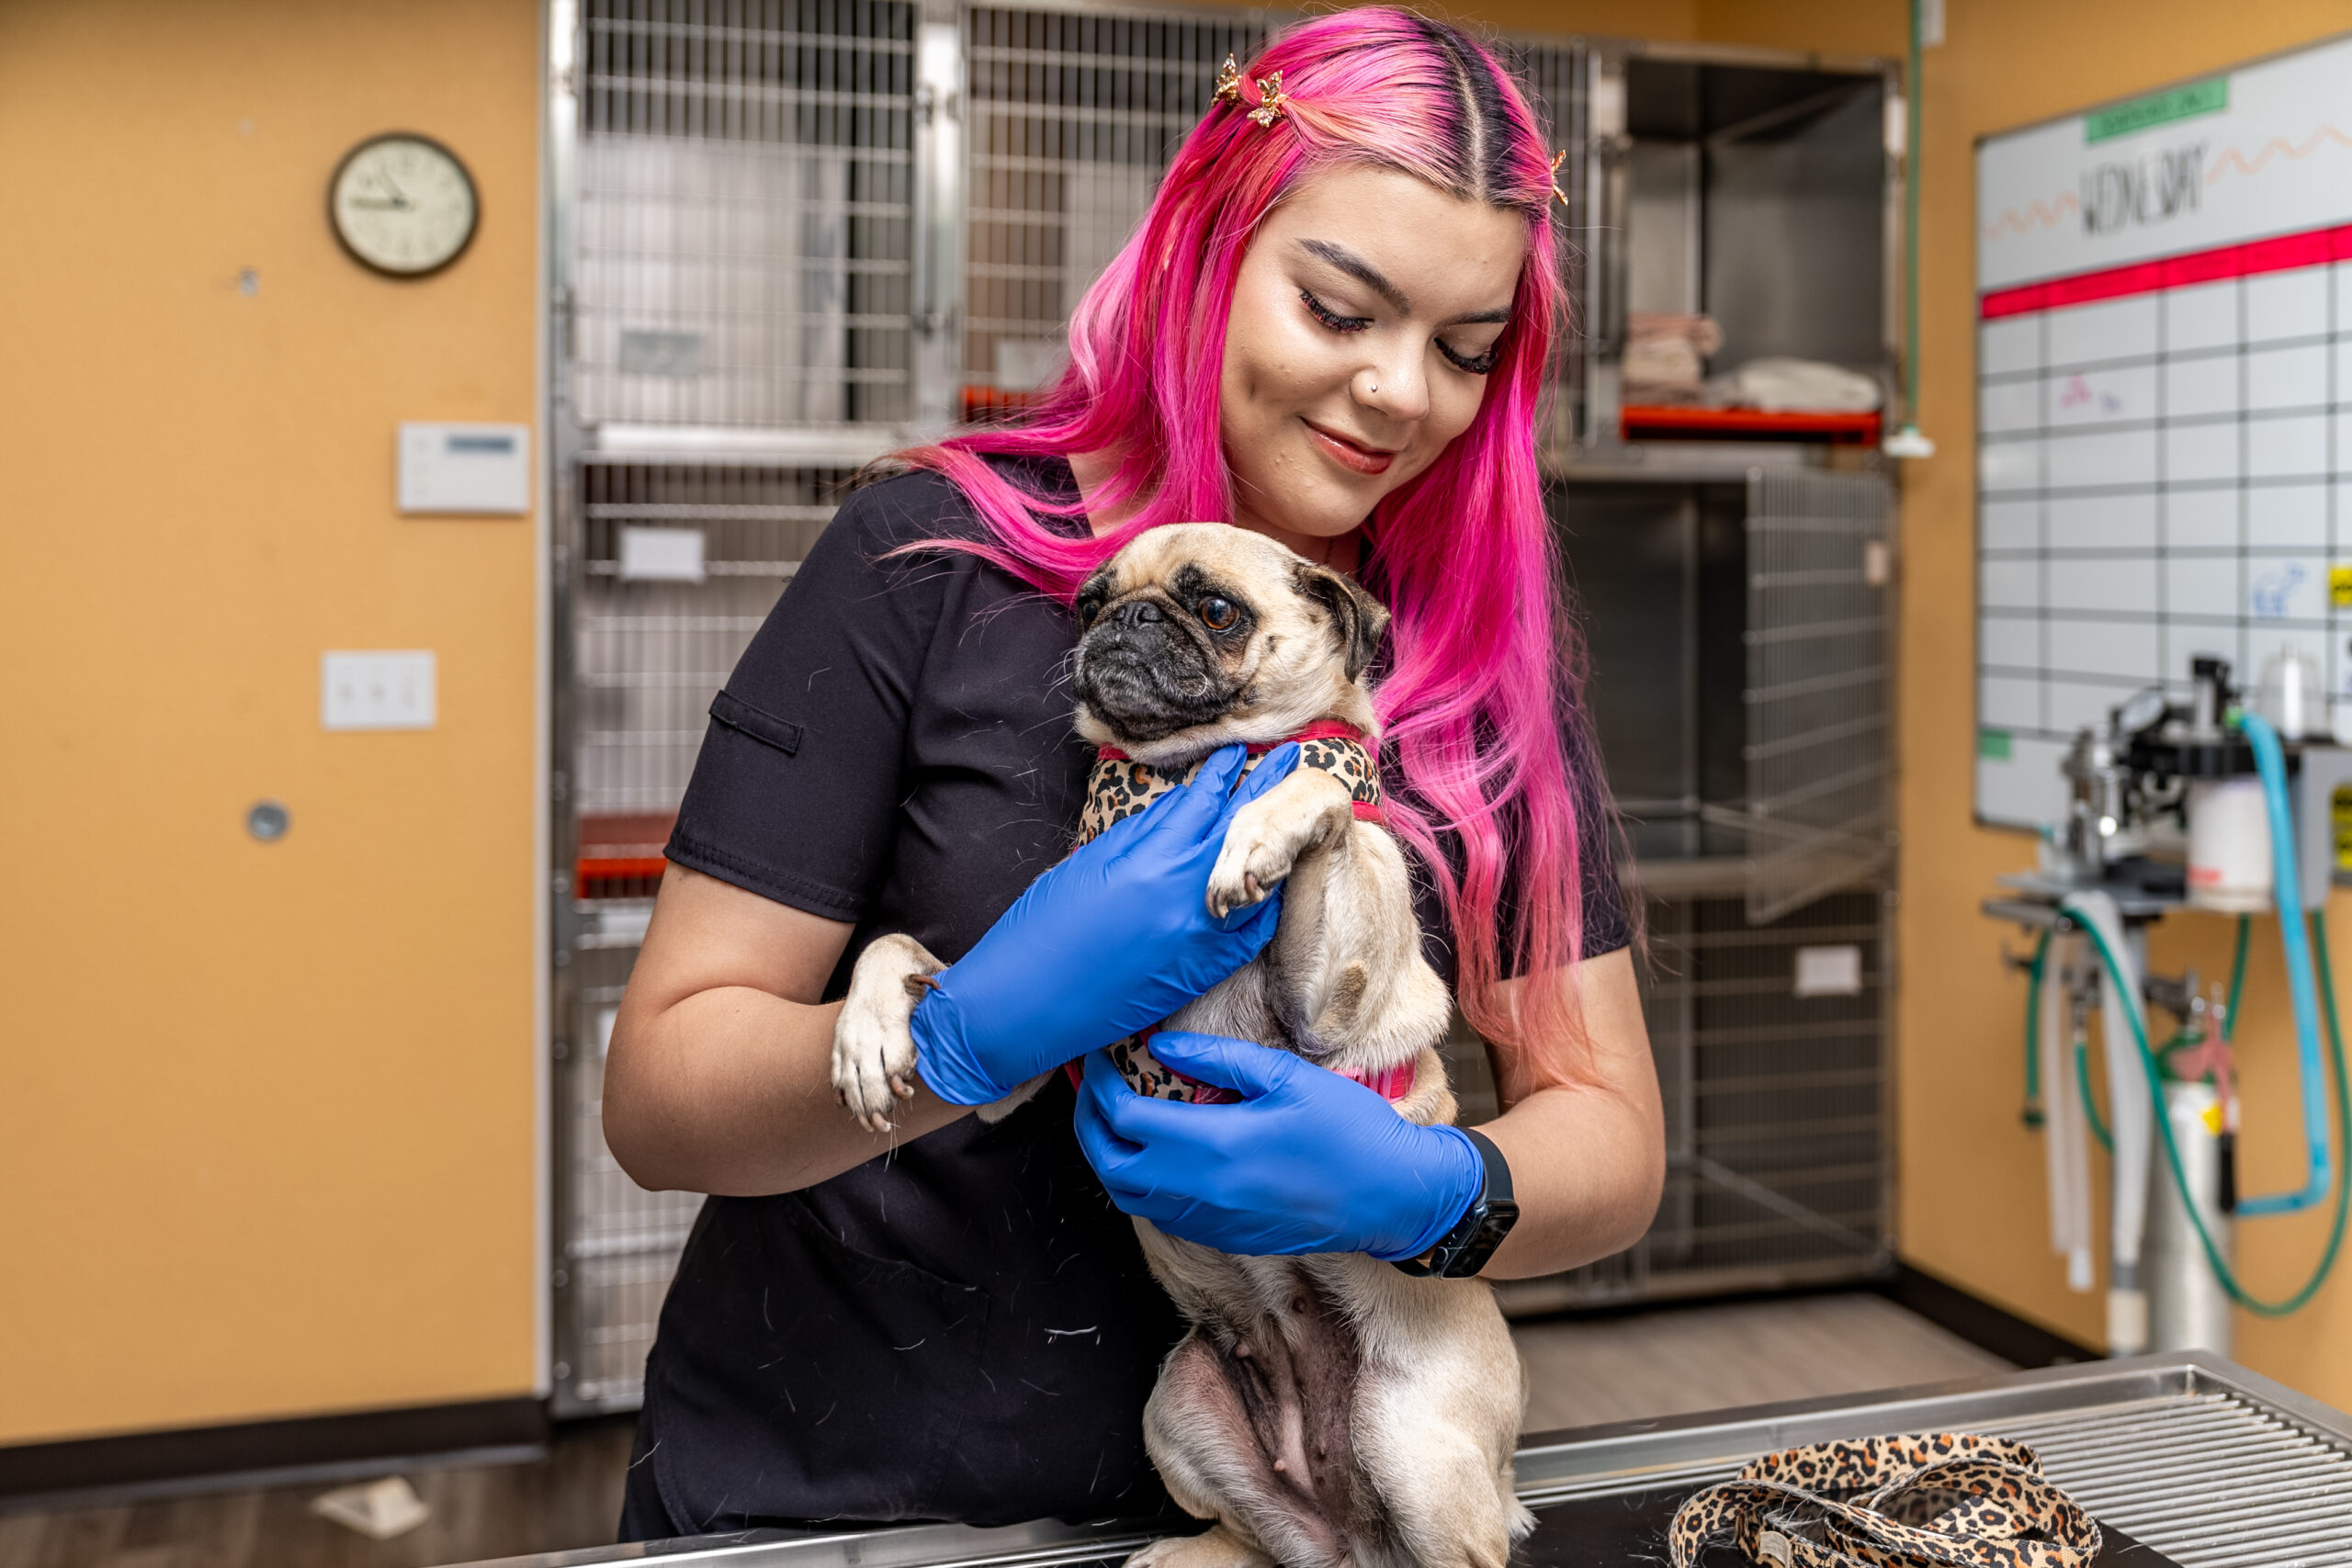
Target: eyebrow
{"type": "Point", "coordinates": [1363, 271]}
{"type": "Point", "coordinates": [1371, 278]}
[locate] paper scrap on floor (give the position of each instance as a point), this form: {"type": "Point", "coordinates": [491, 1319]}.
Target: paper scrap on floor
{"type": "Point", "coordinates": [376, 1510]}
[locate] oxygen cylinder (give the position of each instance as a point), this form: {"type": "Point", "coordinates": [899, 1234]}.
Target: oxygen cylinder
{"type": "Point", "coordinates": [2187, 1309]}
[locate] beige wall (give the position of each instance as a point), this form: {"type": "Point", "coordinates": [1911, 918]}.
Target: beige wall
{"type": "Point", "coordinates": [270, 1125]}
{"type": "Point", "coordinates": [1971, 1206]}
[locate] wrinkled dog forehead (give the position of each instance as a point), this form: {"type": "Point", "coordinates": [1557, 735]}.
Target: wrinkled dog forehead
{"type": "Point", "coordinates": [1184, 557]}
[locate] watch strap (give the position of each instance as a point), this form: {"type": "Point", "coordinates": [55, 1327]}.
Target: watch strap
{"type": "Point", "coordinates": [1465, 1250]}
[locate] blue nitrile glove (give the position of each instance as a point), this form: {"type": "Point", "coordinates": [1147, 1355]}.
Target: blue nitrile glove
{"type": "Point", "coordinates": [1308, 1161]}
{"type": "Point", "coordinates": [1116, 937]}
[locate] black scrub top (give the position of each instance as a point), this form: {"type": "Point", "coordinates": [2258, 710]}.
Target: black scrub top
{"type": "Point", "coordinates": [965, 1330]}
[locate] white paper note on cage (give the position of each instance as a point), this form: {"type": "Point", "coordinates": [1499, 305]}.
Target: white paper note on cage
{"type": "Point", "coordinates": [662, 555]}
{"type": "Point", "coordinates": [1829, 971]}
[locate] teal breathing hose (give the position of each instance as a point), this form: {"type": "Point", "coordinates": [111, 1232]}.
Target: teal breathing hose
{"type": "Point", "coordinates": [2091, 1102]}
{"type": "Point", "coordinates": [2220, 1265]}
{"type": "Point", "coordinates": [2032, 1114]}
{"type": "Point", "coordinates": [2270, 761]}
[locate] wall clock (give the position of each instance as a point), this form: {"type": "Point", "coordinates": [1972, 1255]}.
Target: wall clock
{"type": "Point", "coordinates": [402, 205]}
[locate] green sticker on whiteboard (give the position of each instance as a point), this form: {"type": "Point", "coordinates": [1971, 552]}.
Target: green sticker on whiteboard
{"type": "Point", "coordinates": [2157, 108]}
{"type": "Point", "coordinates": [1993, 745]}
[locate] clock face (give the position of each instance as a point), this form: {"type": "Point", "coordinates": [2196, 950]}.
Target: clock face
{"type": "Point", "coordinates": [403, 204]}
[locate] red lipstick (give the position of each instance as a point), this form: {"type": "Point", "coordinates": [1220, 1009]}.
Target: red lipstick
{"type": "Point", "coordinates": [1348, 454]}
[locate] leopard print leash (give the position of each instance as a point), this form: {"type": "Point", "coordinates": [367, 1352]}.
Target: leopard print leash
{"type": "Point", "coordinates": [1926, 1500]}
{"type": "Point", "coordinates": [1120, 786]}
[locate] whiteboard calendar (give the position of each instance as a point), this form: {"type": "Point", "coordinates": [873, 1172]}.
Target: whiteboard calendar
{"type": "Point", "coordinates": [2163, 405]}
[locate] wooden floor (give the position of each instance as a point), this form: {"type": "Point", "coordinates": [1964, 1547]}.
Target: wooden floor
{"type": "Point", "coordinates": [1582, 1372]}
{"type": "Point", "coordinates": [1585, 1372]}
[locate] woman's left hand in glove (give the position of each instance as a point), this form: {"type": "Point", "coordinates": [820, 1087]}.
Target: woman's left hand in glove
{"type": "Point", "coordinates": [1307, 1161]}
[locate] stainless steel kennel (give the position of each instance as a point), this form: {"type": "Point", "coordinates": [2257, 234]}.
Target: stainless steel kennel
{"type": "Point", "coordinates": [789, 235]}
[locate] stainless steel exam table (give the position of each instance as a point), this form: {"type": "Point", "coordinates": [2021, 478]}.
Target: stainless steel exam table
{"type": "Point", "coordinates": [2185, 1459]}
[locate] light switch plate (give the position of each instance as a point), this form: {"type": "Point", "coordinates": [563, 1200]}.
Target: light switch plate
{"type": "Point", "coordinates": [465, 469]}
{"type": "Point", "coordinates": [378, 688]}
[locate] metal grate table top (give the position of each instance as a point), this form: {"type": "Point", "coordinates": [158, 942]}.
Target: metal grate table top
{"type": "Point", "coordinates": [2198, 1459]}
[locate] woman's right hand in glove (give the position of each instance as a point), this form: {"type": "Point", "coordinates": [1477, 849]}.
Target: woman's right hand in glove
{"type": "Point", "coordinates": [1115, 937]}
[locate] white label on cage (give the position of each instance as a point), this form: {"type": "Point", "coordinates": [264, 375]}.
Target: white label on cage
{"type": "Point", "coordinates": [471, 469]}
{"type": "Point", "coordinates": [662, 555]}
{"type": "Point", "coordinates": [378, 690]}
{"type": "Point", "coordinates": [660, 353]}
{"type": "Point", "coordinates": [1829, 971]}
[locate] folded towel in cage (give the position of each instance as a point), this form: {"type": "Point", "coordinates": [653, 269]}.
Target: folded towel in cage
{"type": "Point", "coordinates": [1925, 1500]}
{"type": "Point", "coordinates": [1666, 355]}
{"type": "Point", "coordinates": [1783, 385]}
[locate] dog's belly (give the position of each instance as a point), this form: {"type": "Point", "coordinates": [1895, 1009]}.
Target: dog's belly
{"type": "Point", "coordinates": [1259, 1401]}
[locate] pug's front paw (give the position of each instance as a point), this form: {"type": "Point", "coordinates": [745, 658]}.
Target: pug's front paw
{"type": "Point", "coordinates": [874, 1042]}
{"type": "Point", "coordinates": [1253, 861]}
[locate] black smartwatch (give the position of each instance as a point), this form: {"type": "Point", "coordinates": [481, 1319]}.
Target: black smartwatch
{"type": "Point", "coordinates": [1464, 1250]}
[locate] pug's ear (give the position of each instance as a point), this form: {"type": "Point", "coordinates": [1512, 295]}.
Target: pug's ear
{"type": "Point", "coordinates": [1357, 619]}
{"type": "Point", "coordinates": [1092, 595]}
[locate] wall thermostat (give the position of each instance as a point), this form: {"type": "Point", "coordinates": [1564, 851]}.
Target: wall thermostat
{"type": "Point", "coordinates": [473, 469]}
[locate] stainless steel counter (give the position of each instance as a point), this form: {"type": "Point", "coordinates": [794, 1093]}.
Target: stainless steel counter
{"type": "Point", "coordinates": [2194, 1457]}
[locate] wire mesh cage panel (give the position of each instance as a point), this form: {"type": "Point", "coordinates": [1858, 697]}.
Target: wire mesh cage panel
{"type": "Point", "coordinates": [744, 225]}
{"type": "Point", "coordinates": [1556, 77]}
{"type": "Point", "coordinates": [621, 1243]}
{"type": "Point", "coordinates": [680, 564]}
{"type": "Point", "coordinates": [673, 567]}
{"type": "Point", "coordinates": [1819, 679]}
{"type": "Point", "coordinates": [1770, 1044]}
{"type": "Point", "coordinates": [1071, 118]}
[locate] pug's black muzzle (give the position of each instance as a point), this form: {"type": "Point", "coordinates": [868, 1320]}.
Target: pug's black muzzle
{"type": "Point", "coordinates": [1148, 674]}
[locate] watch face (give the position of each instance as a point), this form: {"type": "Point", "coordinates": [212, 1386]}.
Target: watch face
{"type": "Point", "coordinates": [403, 204]}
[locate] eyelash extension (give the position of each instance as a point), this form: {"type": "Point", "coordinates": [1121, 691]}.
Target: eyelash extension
{"type": "Point", "coordinates": [1477, 366]}
{"type": "Point", "coordinates": [1331, 318]}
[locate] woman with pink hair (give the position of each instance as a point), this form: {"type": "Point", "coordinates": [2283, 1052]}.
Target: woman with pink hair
{"type": "Point", "coordinates": [1332, 328]}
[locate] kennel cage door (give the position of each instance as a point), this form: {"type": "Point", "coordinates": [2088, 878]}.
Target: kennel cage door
{"type": "Point", "coordinates": [1819, 687]}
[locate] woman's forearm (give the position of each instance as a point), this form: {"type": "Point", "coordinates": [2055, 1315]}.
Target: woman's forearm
{"type": "Point", "coordinates": [1586, 1173]}
{"type": "Point", "coordinates": [730, 1091]}
{"type": "Point", "coordinates": [719, 1077]}
{"type": "Point", "coordinates": [1588, 1162]}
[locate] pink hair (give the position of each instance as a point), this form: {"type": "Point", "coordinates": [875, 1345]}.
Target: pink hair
{"type": "Point", "coordinates": [1481, 676]}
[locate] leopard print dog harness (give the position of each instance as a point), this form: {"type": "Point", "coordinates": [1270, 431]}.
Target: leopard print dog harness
{"type": "Point", "coordinates": [1928, 1500]}
{"type": "Point", "coordinates": [1120, 786]}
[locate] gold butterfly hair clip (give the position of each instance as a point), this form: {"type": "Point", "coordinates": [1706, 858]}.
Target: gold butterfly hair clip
{"type": "Point", "coordinates": [1273, 103]}
{"type": "Point", "coordinates": [1557, 159]}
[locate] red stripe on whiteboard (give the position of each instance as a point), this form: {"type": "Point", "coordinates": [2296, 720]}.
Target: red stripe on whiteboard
{"type": "Point", "coordinates": [2251, 259]}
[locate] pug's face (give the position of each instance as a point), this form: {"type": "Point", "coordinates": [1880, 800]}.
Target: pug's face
{"type": "Point", "coordinates": [1200, 634]}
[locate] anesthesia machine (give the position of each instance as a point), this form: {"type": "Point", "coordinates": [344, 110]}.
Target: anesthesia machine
{"type": "Point", "coordinates": [2211, 806]}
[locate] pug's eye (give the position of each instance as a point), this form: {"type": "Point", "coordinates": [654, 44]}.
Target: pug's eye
{"type": "Point", "coordinates": [1216, 613]}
